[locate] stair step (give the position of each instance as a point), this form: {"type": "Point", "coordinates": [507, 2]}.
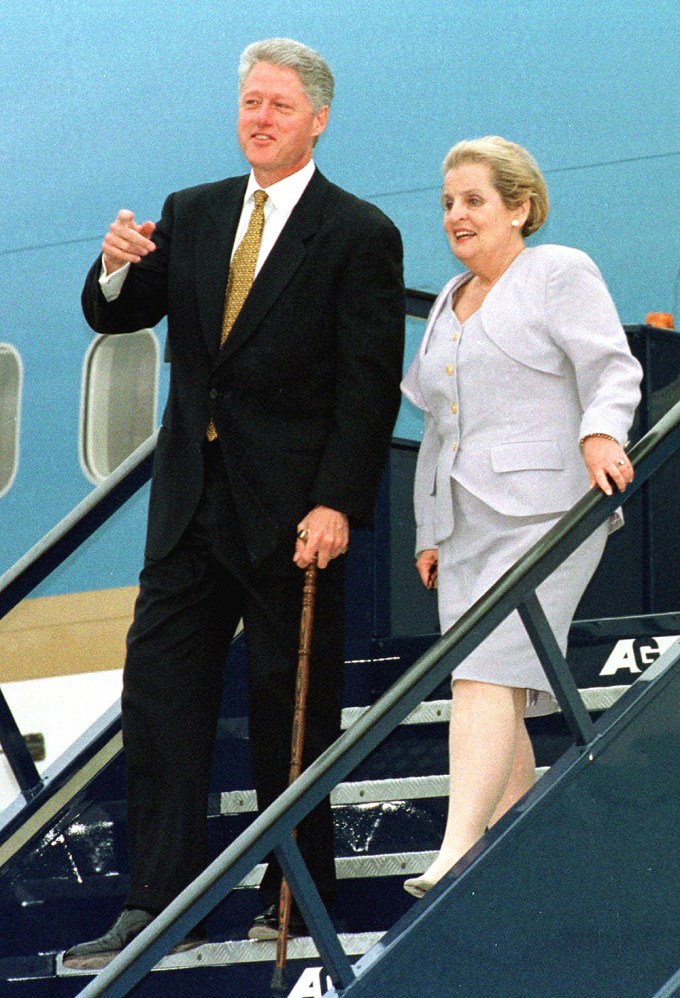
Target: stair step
{"type": "Point", "coordinates": [393, 864]}
{"type": "Point", "coordinates": [418, 747]}
{"type": "Point", "coordinates": [595, 698]}
{"type": "Point", "coordinates": [244, 951]}
{"type": "Point", "coordinates": [362, 792]}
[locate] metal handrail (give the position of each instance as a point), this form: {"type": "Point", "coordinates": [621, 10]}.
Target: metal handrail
{"type": "Point", "coordinates": [83, 520]}
{"type": "Point", "coordinates": [42, 559]}
{"type": "Point", "coordinates": [272, 829]}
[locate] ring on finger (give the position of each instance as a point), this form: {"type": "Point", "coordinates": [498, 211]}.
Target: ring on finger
{"type": "Point", "coordinates": [303, 534]}
{"type": "Point", "coordinates": [621, 462]}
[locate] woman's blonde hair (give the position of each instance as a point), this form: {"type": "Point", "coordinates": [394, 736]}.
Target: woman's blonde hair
{"type": "Point", "coordinates": [515, 174]}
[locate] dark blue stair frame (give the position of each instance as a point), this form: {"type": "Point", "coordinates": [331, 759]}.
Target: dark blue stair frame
{"type": "Point", "coordinates": [396, 605]}
{"type": "Point", "coordinates": [577, 892]}
{"type": "Point", "coordinates": [273, 828]}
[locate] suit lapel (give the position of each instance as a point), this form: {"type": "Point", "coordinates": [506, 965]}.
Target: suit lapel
{"type": "Point", "coordinates": [214, 240]}
{"type": "Point", "coordinates": [283, 261]}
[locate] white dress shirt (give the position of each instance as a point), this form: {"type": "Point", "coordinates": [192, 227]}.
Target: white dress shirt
{"type": "Point", "coordinates": [281, 199]}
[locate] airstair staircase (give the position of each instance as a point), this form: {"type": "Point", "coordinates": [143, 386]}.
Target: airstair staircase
{"type": "Point", "coordinates": [574, 894]}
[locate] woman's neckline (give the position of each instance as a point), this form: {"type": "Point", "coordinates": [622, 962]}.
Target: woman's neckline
{"type": "Point", "coordinates": [470, 304]}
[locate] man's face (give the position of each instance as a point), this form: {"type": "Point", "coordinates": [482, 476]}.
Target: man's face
{"type": "Point", "coordinates": [276, 124]}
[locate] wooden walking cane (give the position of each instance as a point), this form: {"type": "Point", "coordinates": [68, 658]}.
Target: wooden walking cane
{"type": "Point", "coordinates": [296, 749]}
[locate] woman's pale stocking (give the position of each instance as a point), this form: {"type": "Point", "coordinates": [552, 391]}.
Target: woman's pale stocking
{"type": "Point", "coordinates": [491, 765]}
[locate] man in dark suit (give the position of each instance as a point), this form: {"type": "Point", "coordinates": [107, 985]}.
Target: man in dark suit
{"type": "Point", "coordinates": [273, 442]}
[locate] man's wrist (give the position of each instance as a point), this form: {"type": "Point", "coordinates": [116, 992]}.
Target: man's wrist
{"type": "Point", "coordinates": [112, 284]}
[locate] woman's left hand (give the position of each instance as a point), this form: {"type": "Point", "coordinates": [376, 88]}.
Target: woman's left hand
{"type": "Point", "coordinates": [607, 462]}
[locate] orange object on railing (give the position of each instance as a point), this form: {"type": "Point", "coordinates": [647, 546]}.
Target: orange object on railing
{"type": "Point", "coordinates": [662, 319]}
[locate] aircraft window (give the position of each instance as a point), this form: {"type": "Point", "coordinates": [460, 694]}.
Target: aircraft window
{"type": "Point", "coordinates": [11, 378]}
{"type": "Point", "coordinates": [120, 395]}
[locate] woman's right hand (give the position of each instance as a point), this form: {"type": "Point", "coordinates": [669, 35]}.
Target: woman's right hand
{"type": "Point", "coordinates": [427, 564]}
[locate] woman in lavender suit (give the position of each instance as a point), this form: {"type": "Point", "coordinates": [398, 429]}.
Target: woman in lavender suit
{"type": "Point", "coordinates": [529, 391]}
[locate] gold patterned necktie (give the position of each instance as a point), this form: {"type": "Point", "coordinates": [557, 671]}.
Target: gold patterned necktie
{"type": "Point", "coordinates": [242, 274]}
{"type": "Point", "coordinates": [242, 270]}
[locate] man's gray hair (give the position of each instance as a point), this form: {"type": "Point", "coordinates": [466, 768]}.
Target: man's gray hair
{"type": "Point", "coordinates": [313, 70]}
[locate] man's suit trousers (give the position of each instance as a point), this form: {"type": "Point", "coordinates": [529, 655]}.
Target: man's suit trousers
{"type": "Point", "coordinates": [189, 606]}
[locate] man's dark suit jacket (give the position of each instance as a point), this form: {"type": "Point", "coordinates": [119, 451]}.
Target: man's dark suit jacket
{"type": "Point", "coordinates": [305, 391]}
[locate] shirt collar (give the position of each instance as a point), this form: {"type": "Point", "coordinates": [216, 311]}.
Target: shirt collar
{"type": "Point", "coordinates": [285, 193]}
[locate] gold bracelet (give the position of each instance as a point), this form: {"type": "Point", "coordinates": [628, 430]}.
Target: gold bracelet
{"type": "Point", "coordinates": [606, 436]}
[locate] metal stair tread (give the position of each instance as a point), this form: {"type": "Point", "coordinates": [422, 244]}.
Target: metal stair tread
{"type": "Point", "coordinates": [360, 792]}
{"type": "Point", "coordinates": [224, 954]}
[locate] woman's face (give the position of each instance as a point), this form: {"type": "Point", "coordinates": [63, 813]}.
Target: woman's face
{"type": "Point", "coordinates": [479, 225]}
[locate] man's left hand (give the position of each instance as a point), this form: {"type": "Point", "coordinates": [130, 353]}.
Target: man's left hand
{"type": "Point", "coordinates": [323, 534]}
